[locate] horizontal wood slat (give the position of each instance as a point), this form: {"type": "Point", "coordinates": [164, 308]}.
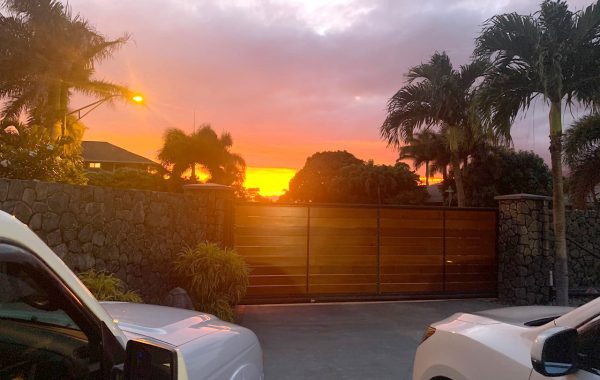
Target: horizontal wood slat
{"type": "Point", "coordinates": [345, 250]}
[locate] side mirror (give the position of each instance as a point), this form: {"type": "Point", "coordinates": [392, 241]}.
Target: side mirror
{"type": "Point", "coordinates": [150, 360]}
{"type": "Point", "coordinates": [554, 352]}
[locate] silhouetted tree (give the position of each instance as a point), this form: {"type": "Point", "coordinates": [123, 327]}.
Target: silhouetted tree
{"type": "Point", "coordinates": [340, 177]}
{"type": "Point", "coordinates": [181, 152]}
{"type": "Point", "coordinates": [582, 154]}
{"type": "Point", "coordinates": [501, 171]}
{"type": "Point", "coordinates": [553, 54]}
{"type": "Point", "coordinates": [46, 53]}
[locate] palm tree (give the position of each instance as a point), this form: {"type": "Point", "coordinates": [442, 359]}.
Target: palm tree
{"type": "Point", "coordinates": [203, 147]}
{"type": "Point", "coordinates": [46, 53]}
{"type": "Point", "coordinates": [582, 154]}
{"type": "Point", "coordinates": [554, 55]}
{"type": "Point", "coordinates": [437, 97]}
{"type": "Point", "coordinates": [422, 149]}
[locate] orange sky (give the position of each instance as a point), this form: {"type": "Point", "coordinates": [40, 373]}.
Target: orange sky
{"type": "Point", "coordinates": [287, 78]}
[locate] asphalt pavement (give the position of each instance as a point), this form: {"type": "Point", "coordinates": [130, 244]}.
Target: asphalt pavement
{"type": "Point", "coordinates": [346, 341]}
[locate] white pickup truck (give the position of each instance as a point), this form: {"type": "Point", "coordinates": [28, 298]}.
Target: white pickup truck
{"type": "Point", "coordinates": [52, 327]}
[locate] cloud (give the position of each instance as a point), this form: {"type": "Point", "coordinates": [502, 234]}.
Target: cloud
{"type": "Point", "coordinates": [284, 77]}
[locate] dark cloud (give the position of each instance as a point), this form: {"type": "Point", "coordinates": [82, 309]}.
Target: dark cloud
{"type": "Point", "coordinates": [265, 74]}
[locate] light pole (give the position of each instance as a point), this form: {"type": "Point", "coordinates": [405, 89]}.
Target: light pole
{"type": "Point", "coordinates": [134, 98]}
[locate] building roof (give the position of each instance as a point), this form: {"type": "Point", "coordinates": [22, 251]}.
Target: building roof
{"type": "Point", "coordinates": [102, 151]}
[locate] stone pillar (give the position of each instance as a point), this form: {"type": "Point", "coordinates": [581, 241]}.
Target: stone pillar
{"type": "Point", "coordinates": [524, 256]}
{"type": "Point", "coordinates": [219, 211]}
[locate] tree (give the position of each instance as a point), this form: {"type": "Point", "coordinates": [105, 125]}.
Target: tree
{"type": "Point", "coordinates": [437, 97]}
{"type": "Point", "coordinates": [582, 154]}
{"type": "Point", "coordinates": [182, 152]}
{"type": "Point", "coordinates": [492, 172]}
{"type": "Point", "coordinates": [313, 183]}
{"type": "Point", "coordinates": [340, 177]}
{"type": "Point", "coordinates": [30, 152]}
{"type": "Point", "coordinates": [422, 148]}
{"type": "Point", "coordinates": [553, 54]}
{"type": "Point", "coordinates": [46, 53]}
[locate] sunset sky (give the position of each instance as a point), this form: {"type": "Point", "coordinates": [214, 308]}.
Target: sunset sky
{"type": "Point", "coordinates": [287, 78]}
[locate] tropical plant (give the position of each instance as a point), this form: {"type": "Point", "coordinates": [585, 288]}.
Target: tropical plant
{"type": "Point", "coordinates": [106, 287]}
{"type": "Point", "coordinates": [491, 172]}
{"type": "Point", "coordinates": [552, 55]}
{"type": "Point", "coordinates": [30, 152]}
{"type": "Point", "coordinates": [182, 152]}
{"type": "Point", "coordinates": [582, 154]}
{"type": "Point", "coordinates": [216, 278]}
{"type": "Point", "coordinates": [439, 98]}
{"type": "Point", "coordinates": [46, 53]}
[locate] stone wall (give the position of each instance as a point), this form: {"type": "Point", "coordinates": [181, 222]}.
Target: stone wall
{"type": "Point", "coordinates": [525, 248]}
{"type": "Point", "coordinates": [131, 233]}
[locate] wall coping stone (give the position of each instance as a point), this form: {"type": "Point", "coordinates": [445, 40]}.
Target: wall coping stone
{"type": "Point", "coordinates": [511, 197]}
{"type": "Point", "coordinates": [205, 186]}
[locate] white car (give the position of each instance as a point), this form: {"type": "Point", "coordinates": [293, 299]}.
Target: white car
{"type": "Point", "coordinates": [517, 343]}
{"type": "Point", "coordinates": [51, 327]}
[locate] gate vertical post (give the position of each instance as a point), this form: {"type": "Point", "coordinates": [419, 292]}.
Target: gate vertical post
{"type": "Point", "coordinates": [308, 250]}
{"type": "Point", "coordinates": [378, 249]}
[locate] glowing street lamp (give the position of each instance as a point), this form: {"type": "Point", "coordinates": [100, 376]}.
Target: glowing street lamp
{"type": "Point", "coordinates": [132, 97]}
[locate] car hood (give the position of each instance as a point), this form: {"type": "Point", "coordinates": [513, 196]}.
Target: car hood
{"type": "Point", "coordinates": [525, 315]}
{"type": "Point", "coordinates": [172, 325]}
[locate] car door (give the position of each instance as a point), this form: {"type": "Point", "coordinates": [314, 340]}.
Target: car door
{"type": "Point", "coordinates": [588, 352]}
{"type": "Point", "coordinates": [45, 331]}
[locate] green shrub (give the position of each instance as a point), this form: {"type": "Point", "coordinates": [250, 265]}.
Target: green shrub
{"type": "Point", "coordinates": [215, 278]}
{"type": "Point", "coordinates": [106, 287]}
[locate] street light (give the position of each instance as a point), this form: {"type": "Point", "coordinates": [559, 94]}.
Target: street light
{"type": "Point", "coordinates": [133, 97]}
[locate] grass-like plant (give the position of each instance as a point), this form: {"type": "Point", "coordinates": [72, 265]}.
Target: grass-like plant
{"type": "Point", "coordinates": [106, 287]}
{"type": "Point", "coordinates": [216, 278]}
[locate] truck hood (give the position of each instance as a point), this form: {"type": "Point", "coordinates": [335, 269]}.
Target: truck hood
{"type": "Point", "coordinates": [173, 326]}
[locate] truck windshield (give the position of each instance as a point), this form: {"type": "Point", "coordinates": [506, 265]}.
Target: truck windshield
{"type": "Point", "coordinates": [21, 298]}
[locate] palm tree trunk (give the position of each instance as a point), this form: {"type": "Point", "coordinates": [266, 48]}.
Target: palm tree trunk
{"type": "Point", "coordinates": [426, 173]}
{"type": "Point", "coordinates": [561, 268]}
{"type": "Point", "coordinates": [460, 190]}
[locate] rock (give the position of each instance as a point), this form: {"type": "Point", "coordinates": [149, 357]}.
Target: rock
{"type": "Point", "coordinates": [98, 239]}
{"type": "Point", "coordinates": [85, 234]}
{"type": "Point", "coordinates": [15, 190]}
{"type": "Point", "coordinates": [35, 223]}
{"type": "Point", "coordinates": [22, 212]}
{"type": "Point", "coordinates": [4, 184]}
{"type": "Point", "coordinates": [53, 238]}
{"type": "Point", "coordinates": [29, 196]}
{"type": "Point", "coordinates": [178, 297]}
{"type": "Point", "coordinates": [58, 202]}
{"type": "Point", "coordinates": [50, 221]}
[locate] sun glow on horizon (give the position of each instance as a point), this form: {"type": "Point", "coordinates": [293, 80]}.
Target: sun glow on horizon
{"type": "Point", "coordinates": [270, 181]}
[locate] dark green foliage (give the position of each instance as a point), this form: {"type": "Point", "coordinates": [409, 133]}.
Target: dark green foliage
{"type": "Point", "coordinates": [106, 287]}
{"type": "Point", "coordinates": [28, 152]}
{"type": "Point", "coordinates": [502, 171]}
{"type": "Point", "coordinates": [128, 178]}
{"type": "Point", "coordinates": [339, 177]}
{"type": "Point", "coordinates": [216, 278]}
{"type": "Point", "coordinates": [182, 152]}
{"type": "Point", "coordinates": [582, 154]}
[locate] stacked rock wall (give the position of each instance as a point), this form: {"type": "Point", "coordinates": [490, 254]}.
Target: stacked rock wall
{"type": "Point", "coordinates": [131, 233]}
{"type": "Point", "coordinates": [525, 249]}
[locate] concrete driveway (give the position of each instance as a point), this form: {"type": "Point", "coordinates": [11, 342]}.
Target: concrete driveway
{"type": "Point", "coordinates": [345, 340]}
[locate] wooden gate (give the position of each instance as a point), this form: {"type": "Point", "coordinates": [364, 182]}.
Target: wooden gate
{"type": "Point", "coordinates": [302, 252]}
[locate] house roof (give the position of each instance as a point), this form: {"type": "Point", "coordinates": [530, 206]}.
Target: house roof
{"type": "Point", "coordinates": [102, 151]}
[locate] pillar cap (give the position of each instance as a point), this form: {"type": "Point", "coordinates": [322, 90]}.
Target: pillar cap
{"type": "Point", "coordinates": [532, 197]}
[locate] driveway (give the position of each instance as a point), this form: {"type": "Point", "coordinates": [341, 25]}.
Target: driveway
{"type": "Point", "coordinates": [374, 340]}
